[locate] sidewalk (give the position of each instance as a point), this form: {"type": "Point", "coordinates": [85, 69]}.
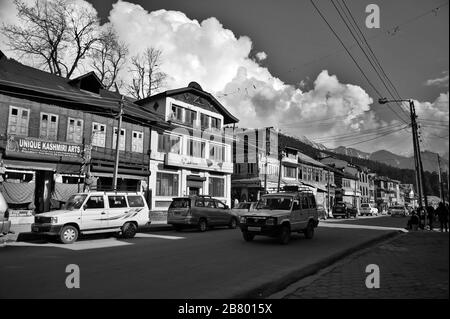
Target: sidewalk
{"type": "Point", "coordinates": [412, 265]}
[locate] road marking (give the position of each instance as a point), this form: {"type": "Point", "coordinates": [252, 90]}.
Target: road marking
{"type": "Point", "coordinates": [79, 245]}
{"type": "Point", "coordinates": [362, 227]}
{"type": "Point", "coordinates": [158, 236]}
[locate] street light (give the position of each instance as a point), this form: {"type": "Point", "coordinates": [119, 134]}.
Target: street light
{"type": "Point", "coordinates": [416, 145]}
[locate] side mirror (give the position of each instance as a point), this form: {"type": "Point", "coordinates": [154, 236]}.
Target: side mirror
{"type": "Point", "coordinates": [84, 207]}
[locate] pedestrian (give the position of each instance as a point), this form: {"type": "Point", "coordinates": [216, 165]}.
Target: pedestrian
{"type": "Point", "coordinates": [430, 213]}
{"type": "Point", "coordinates": [413, 222]}
{"type": "Point", "coordinates": [442, 213]}
{"type": "Point", "coordinates": [236, 202]}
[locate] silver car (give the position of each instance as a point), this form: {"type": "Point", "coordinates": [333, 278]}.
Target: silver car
{"type": "Point", "coordinates": [398, 211]}
{"type": "Point", "coordinates": [243, 208]}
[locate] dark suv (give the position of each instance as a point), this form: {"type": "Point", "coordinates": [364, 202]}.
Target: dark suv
{"type": "Point", "coordinates": [344, 210]}
{"type": "Point", "coordinates": [199, 211]}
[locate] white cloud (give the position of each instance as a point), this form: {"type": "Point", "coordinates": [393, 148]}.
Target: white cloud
{"type": "Point", "coordinates": [261, 56]}
{"type": "Point", "coordinates": [442, 81]}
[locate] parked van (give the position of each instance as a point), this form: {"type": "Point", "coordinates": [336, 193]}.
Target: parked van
{"type": "Point", "coordinates": [280, 214]}
{"type": "Point", "coordinates": [95, 212]}
{"type": "Point", "coordinates": [5, 223]}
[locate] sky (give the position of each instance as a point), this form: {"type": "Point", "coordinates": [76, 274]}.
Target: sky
{"type": "Point", "coordinates": [276, 63]}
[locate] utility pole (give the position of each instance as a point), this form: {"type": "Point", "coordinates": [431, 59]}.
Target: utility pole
{"type": "Point", "coordinates": [328, 191]}
{"type": "Point", "coordinates": [441, 186]}
{"type": "Point", "coordinates": [119, 127]}
{"type": "Point", "coordinates": [280, 157]}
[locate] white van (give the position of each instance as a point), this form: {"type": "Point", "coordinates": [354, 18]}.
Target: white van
{"type": "Point", "coordinates": [95, 212]}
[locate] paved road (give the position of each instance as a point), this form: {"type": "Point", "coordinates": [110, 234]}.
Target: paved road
{"type": "Point", "coordinates": [215, 264]}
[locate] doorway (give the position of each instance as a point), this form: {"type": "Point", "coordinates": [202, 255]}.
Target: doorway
{"type": "Point", "coordinates": [194, 191]}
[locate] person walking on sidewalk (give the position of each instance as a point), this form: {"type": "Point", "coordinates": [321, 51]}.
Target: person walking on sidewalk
{"type": "Point", "coordinates": [442, 212]}
{"type": "Point", "coordinates": [430, 214]}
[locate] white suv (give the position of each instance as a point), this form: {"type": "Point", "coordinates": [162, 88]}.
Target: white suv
{"type": "Point", "coordinates": [95, 212]}
{"type": "Point", "coordinates": [368, 209]}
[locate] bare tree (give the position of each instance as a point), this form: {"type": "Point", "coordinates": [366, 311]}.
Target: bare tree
{"type": "Point", "coordinates": [146, 75]}
{"type": "Point", "coordinates": [56, 33]}
{"type": "Point", "coordinates": [108, 57]}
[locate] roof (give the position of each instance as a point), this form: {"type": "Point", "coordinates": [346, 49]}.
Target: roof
{"type": "Point", "coordinates": [302, 158]}
{"type": "Point", "coordinates": [31, 83]}
{"type": "Point", "coordinates": [195, 89]}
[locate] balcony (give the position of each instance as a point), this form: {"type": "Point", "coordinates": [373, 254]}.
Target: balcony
{"type": "Point", "coordinates": [173, 159]}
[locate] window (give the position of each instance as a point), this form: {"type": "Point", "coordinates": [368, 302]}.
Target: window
{"type": "Point", "coordinates": [121, 139]}
{"type": "Point", "coordinates": [74, 130]}
{"type": "Point", "coordinates": [305, 204]}
{"type": "Point", "coordinates": [117, 201]}
{"type": "Point", "coordinates": [191, 116]}
{"type": "Point", "coordinates": [300, 172]}
{"type": "Point", "coordinates": [204, 119]}
{"type": "Point", "coordinates": [168, 143]}
{"type": "Point", "coordinates": [216, 187]}
{"type": "Point", "coordinates": [137, 142]}
{"type": "Point", "coordinates": [177, 113]}
{"type": "Point", "coordinates": [49, 126]}
{"type": "Point", "coordinates": [95, 202]}
{"type": "Point", "coordinates": [222, 205]}
{"type": "Point", "coordinates": [290, 172]}
{"type": "Point", "coordinates": [215, 123]}
{"type": "Point", "coordinates": [216, 152]}
{"type": "Point", "coordinates": [210, 203]}
{"type": "Point", "coordinates": [346, 183]}
{"type": "Point", "coordinates": [195, 148]}
{"type": "Point", "coordinates": [18, 120]}
{"type": "Point", "coordinates": [166, 184]}
{"type": "Point", "coordinates": [98, 134]}
{"type": "Point", "coordinates": [309, 174]}
{"type": "Point", "coordinates": [135, 201]}
{"type": "Point", "coordinates": [199, 203]}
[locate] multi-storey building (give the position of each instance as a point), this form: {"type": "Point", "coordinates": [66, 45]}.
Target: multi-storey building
{"type": "Point", "coordinates": [364, 184]}
{"type": "Point", "coordinates": [54, 131]}
{"type": "Point", "coordinates": [382, 193]}
{"type": "Point", "coordinates": [297, 169]}
{"type": "Point", "coordinates": [256, 163]}
{"type": "Point", "coordinates": [371, 178]}
{"type": "Point", "coordinates": [193, 157]}
{"type": "Point", "coordinates": [347, 181]}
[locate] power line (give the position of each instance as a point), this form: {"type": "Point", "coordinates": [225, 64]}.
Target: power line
{"type": "Point", "coordinates": [346, 49]}
{"type": "Point", "coordinates": [369, 59]}
{"type": "Point", "coordinates": [375, 57]}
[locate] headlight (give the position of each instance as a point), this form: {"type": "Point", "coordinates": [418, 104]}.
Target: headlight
{"type": "Point", "coordinates": [243, 220]}
{"type": "Point", "coordinates": [270, 221]}
{"type": "Point", "coordinates": [54, 220]}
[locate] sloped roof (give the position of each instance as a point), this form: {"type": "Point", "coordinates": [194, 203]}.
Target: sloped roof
{"type": "Point", "coordinates": [228, 117]}
{"type": "Point", "coordinates": [32, 83]}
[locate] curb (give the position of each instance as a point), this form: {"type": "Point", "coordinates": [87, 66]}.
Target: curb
{"type": "Point", "coordinates": [267, 289]}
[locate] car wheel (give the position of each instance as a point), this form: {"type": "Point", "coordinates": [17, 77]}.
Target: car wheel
{"type": "Point", "coordinates": [285, 235]}
{"type": "Point", "coordinates": [129, 230]}
{"type": "Point", "coordinates": [202, 226]}
{"type": "Point", "coordinates": [309, 232]}
{"type": "Point", "coordinates": [68, 235]}
{"type": "Point", "coordinates": [248, 236]}
{"type": "Point", "coordinates": [233, 223]}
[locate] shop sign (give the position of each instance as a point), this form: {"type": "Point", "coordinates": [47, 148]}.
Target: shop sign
{"type": "Point", "coordinates": [36, 146]}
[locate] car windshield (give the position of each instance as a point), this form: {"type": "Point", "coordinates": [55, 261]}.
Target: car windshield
{"type": "Point", "coordinates": [280, 203]}
{"type": "Point", "coordinates": [180, 203]}
{"type": "Point", "coordinates": [75, 201]}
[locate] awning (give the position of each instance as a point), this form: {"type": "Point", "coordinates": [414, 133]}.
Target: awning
{"type": "Point", "coordinates": [319, 188]}
{"type": "Point", "coordinates": [254, 182]}
{"type": "Point", "coordinates": [30, 165]}
{"type": "Point", "coordinates": [124, 176]}
{"type": "Point", "coordinates": [68, 168]}
{"type": "Point", "coordinates": [191, 183]}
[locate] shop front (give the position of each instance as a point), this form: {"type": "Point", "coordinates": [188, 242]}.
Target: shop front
{"type": "Point", "coordinates": [39, 175]}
